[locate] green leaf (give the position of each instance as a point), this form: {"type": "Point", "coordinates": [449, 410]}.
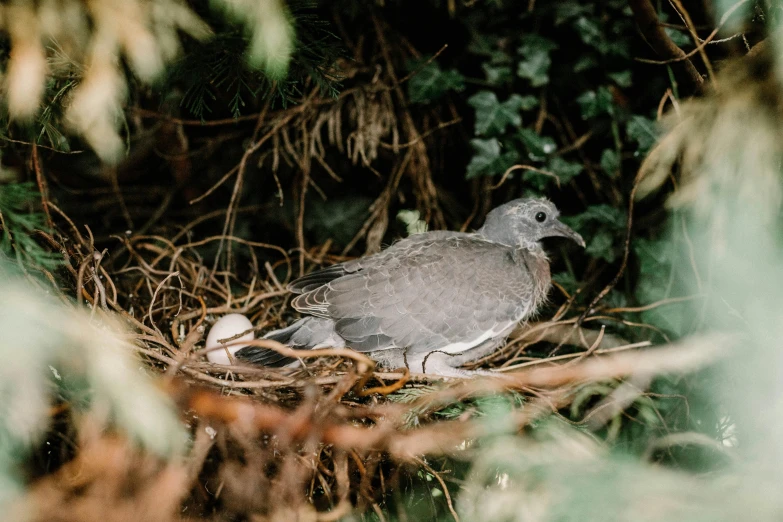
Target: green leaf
{"type": "Point", "coordinates": [412, 220]}
{"type": "Point", "coordinates": [482, 44]}
{"type": "Point", "coordinates": [622, 78]}
{"type": "Point", "coordinates": [596, 103]}
{"type": "Point", "coordinates": [680, 38]}
{"type": "Point", "coordinates": [487, 159]}
{"type": "Point", "coordinates": [585, 63]}
{"type": "Point", "coordinates": [338, 219]}
{"type": "Point", "coordinates": [565, 170]}
{"type": "Point", "coordinates": [540, 182]}
{"type": "Point", "coordinates": [497, 74]}
{"type": "Point", "coordinates": [565, 11]}
{"type": "Point", "coordinates": [603, 227]}
{"type": "Point", "coordinates": [644, 132]}
{"type": "Point", "coordinates": [535, 51]}
{"type": "Point", "coordinates": [492, 117]}
{"type": "Point", "coordinates": [538, 147]}
{"type": "Point", "coordinates": [597, 215]}
{"type": "Point", "coordinates": [658, 271]}
{"type": "Point", "coordinates": [431, 83]}
{"type": "Point", "coordinates": [590, 33]}
{"type": "Point", "coordinates": [600, 244]}
{"type": "Point", "coordinates": [528, 102]}
{"type": "Point", "coordinates": [567, 281]}
{"type": "Point", "coordinates": [610, 162]}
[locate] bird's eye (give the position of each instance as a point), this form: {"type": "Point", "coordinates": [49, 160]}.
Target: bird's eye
{"type": "Point", "coordinates": [541, 217]}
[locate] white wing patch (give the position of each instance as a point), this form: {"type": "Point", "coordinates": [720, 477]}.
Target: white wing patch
{"type": "Point", "coordinates": [496, 331]}
{"type": "Point", "coordinates": [333, 341]}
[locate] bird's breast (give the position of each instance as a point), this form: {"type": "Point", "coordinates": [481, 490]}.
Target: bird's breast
{"type": "Point", "coordinates": [536, 263]}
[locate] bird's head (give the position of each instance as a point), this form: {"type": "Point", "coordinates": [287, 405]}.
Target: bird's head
{"type": "Point", "coordinates": [526, 221]}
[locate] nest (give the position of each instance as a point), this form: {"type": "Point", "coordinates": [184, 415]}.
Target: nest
{"type": "Point", "coordinates": [336, 436]}
{"type": "Point", "coordinates": [333, 437]}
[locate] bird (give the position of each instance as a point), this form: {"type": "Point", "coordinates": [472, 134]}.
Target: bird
{"type": "Point", "coordinates": [431, 302]}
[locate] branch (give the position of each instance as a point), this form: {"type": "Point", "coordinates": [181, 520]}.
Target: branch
{"type": "Point", "coordinates": [652, 30]}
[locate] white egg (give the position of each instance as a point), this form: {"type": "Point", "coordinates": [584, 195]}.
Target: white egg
{"type": "Point", "coordinates": [224, 328]}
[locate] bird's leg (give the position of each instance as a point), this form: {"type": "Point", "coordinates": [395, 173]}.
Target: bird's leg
{"type": "Point", "coordinates": [448, 365]}
{"type": "Point", "coordinates": [437, 364]}
{"type": "Point", "coordinates": [476, 353]}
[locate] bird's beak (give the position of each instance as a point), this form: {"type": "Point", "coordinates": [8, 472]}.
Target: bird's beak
{"type": "Point", "coordinates": [561, 230]}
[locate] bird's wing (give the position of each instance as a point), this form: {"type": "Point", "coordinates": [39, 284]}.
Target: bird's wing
{"type": "Point", "coordinates": [447, 293]}
{"type": "Point", "coordinates": [313, 280]}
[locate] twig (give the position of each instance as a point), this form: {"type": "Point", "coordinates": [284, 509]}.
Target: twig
{"type": "Point", "coordinates": [549, 360]}
{"type": "Point", "coordinates": [442, 485]}
{"type": "Point", "coordinates": [33, 144]}
{"type": "Point", "coordinates": [650, 26]}
{"type": "Point", "coordinates": [42, 187]}
{"type": "Point", "coordinates": [420, 67]}
{"type": "Point", "coordinates": [523, 167]}
{"type": "Point", "coordinates": [626, 252]}
{"type": "Point", "coordinates": [692, 29]}
{"type": "Point", "coordinates": [703, 43]}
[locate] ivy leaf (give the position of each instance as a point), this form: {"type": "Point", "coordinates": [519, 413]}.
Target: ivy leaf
{"type": "Point", "coordinates": [644, 132]}
{"type": "Point", "coordinates": [492, 117]}
{"type": "Point", "coordinates": [585, 63]}
{"type": "Point", "coordinates": [567, 281]}
{"type": "Point", "coordinates": [431, 83]}
{"type": "Point", "coordinates": [534, 66]}
{"type": "Point", "coordinates": [497, 74]}
{"type": "Point", "coordinates": [538, 181]}
{"type": "Point", "coordinates": [412, 221]}
{"type": "Point", "coordinates": [336, 219]}
{"type": "Point", "coordinates": [487, 159]}
{"type": "Point", "coordinates": [622, 78]}
{"type": "Point", "coordinates": [528, 102]}
{"type": "Point", "coordinates": [595, 103]}
{"type": "Point", "coordinates": [600, 246]}
{"type": "Point", "coordinates": [590, 33]}
{"type": "Point", "coordinates": [497, 65]}
{"type": "Point", "coordinates": [603, 227]}
{"type": "Point", "coordinates": [482, 44]}
{"type": "Point", "coordinates": [597, 214]}
{"type": "Point", "coordinates": [565, 11]}
{"type": "Point", "coordinates": [680, 38]}
{"type": "Point", "coordinates": [656, 262]}
{"type": "Point", "coordinates": [564, 169]}
{"type": "Point", "coordinates": [610, 162]}
{"type": "Point", "coordinates": [538, 147]}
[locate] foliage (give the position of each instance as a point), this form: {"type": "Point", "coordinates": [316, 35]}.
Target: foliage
{"type": "Point", "coordinates": [19, 222]}
{"type": "Point", "coordinates": [50, 347]}
{"type": "Point", "coordinates": [270, 32]}
{"type": "Point", "coordinates": [429, 83]}
{"type": "Point", "coordinates": [215, 76]}
{"type": "Point", "coordinates": [604, 226]}
{"type": "Point", "coordinates": [49, 55]}
{"type": "Point", "coordinates": [306, 144]}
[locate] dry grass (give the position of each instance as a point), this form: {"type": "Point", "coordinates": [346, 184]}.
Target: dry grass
{"type": "Point", "coordinates": [337, 435]}
{"type": "Point", "coordinates": [332, 437]}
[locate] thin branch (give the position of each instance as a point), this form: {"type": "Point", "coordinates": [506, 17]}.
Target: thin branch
{"type": "Point", "coordinates": [653, 32]}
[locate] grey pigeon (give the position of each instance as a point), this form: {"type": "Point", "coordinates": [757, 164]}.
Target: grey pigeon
{"type": "Point", "coordinates": [433, 301]}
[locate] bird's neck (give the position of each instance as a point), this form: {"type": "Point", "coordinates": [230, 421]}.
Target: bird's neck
{"type": "Point", "coordinates": [504, 236]}
{"type": "Point", "coordinates": [537, 264]}
{"type": "Point", "coordinates": [534, 247]}
{"type": "Point", "coordinates": [533, 250]}
{"type": "Point", "coordinates": [496, 233]}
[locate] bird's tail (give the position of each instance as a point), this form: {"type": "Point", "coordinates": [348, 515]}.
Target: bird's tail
{"type": "Point", "coordinates": [305, 334]}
